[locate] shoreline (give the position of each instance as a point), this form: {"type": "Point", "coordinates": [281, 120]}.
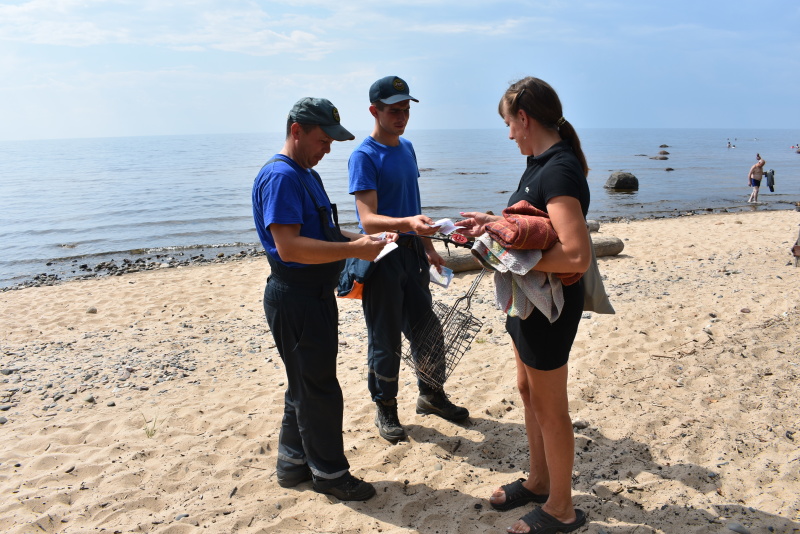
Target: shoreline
{"type": "Point", "coordinates": [183, 193]}
{"type": "Point", "coordinates": [152, 401]}
{"type": "Point", "coordinates": [117, 264]}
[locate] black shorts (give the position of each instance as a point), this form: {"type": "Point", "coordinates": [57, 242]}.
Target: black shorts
{"type": "Point", "coordinates": [543, 345]}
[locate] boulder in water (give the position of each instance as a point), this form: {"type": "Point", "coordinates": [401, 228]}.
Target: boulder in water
{"type": "Point", "coordinates": [622, 181]}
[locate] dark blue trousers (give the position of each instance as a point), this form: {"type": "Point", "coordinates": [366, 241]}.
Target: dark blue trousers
{"type": "Point", "coordinates": [396, 299]}
{"type": "Point", "coordinates": [304, 324]}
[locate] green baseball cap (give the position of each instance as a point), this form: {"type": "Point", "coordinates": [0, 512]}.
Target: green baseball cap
{"type": "Point", "coordinates": [322, 112]}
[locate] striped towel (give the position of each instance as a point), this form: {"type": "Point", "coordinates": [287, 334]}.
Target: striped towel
{"type": "Point", "coordinates": [518, 288]}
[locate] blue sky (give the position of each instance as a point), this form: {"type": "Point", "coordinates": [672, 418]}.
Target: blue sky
{"type": "Point", "coordinates": [97, 68]}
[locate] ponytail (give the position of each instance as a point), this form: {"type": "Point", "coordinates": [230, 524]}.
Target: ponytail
{"type": "Point", "coordinates": [568, 134]}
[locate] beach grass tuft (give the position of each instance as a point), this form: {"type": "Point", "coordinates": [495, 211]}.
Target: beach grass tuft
{"type": "Point", "coordinates": [150, 428]}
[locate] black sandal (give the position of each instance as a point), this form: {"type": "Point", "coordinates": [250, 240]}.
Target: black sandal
{"type": "Point", "coordinates": [540, 522]}
{"type": "Point", "coordinates": [517, 495]}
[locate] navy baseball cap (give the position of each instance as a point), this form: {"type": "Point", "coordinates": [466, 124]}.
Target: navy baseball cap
{"type": "Point", "coordinates": [323, 113]}
{"type": "Point", "coordinates": [390, 90]}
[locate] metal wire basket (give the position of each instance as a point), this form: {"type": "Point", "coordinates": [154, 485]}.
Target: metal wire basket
{"type": "Point", "coordinates": [438, 342]}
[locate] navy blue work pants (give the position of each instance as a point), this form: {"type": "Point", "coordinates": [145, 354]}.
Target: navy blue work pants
{"type": "Point", "coordinates": [304, 324]}
{"type": "Point", "coordinates": [396, 299]}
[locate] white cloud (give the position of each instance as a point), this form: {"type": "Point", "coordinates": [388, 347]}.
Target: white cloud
{"type": "Point", "coordinates": [314, 31]}
{"type": "Point", "coordinates": [473, 28]}
{"type": "Point", "coordinates": [185, 26]}
{"type": "Point", "coordinates": [53, 22]}
{"type": "Point", "coordinates": [248, 32]}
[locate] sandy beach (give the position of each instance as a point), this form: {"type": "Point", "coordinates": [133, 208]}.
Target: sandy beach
{"type": "Point", "coordinates": [151, 402]}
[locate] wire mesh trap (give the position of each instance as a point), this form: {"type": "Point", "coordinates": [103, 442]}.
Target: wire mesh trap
{"type": "Point", "coordinates": [438, 342]}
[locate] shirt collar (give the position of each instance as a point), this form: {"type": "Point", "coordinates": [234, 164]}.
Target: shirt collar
{"type": "Point", "coordinates": [542, 158]}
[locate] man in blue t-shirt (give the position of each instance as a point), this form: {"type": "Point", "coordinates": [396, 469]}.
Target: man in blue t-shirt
{"type": "Point", "coordinates": [384, 179]}
{"type": "Point", "coordinates": [298, 227]}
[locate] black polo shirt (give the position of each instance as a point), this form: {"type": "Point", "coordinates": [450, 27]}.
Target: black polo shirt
{"type": "Point", "coordinates": [553, 173]}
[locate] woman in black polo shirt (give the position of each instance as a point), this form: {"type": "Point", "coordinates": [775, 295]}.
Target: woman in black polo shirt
{"type": "Point", "coordinates": [555, 182]}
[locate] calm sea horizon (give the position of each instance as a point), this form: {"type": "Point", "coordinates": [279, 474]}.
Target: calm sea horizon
{"type": "Point", "coordinates": [74, 201]}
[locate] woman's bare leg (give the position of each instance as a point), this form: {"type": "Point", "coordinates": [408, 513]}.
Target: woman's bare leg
{"type": "Point", "coordinates": [539, 478]}
{"type": "Point", "coordinates": [553, 429]}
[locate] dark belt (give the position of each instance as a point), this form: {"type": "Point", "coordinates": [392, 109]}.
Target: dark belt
{"type": "Point", "coordinates": [409, 241]}
{"type": "Point", "coordinates": [312, 280]}
{"type": "Point", "coordinates": [309, 289]}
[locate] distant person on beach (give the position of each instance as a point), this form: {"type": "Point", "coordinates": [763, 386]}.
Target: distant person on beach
{"type": "Point", "coordinates": [554, 182]}
{"type": "Point", "coordinates": [754, 179]}
{"type": "Point", "coordinates": [299, 229]}
{"type": "Point", "coordinates": [396, 297]}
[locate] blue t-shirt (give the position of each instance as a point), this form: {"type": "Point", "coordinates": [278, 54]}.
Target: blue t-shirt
{"type": "Point", "coordinates": [280, 197]}
{"type": "Point", "coordinates": [392, 172]}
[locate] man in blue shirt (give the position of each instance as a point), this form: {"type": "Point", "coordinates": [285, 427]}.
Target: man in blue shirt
{"type": "Point", "coordinates": [298, 227]}
{"type": "Point", "coordinates": [384, 179]}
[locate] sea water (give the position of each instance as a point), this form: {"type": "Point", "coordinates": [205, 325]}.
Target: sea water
{"type": "Point", "coordinates": [76, 200]}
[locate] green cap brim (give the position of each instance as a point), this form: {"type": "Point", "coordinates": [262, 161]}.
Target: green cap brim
{"type": "Point", "coordinates": [337, 132]}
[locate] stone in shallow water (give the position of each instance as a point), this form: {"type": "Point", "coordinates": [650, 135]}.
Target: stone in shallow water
{"type": "Point", "coordinates": [622, 181]}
